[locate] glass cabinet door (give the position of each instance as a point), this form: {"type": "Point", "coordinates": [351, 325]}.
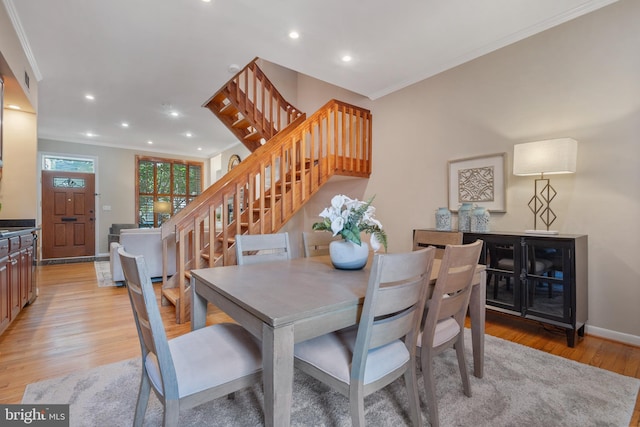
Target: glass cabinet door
{"type": "Point", "coordinates": [503, 261]}
{"type": "Point", "coordinates": [548, 292]}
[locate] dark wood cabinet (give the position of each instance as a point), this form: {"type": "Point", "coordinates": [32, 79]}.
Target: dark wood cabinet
{"type": "Point", "coordinates": [538, 277]}
{"type": "Point", "coordinates": [5, 305]}
{"type": "Point", "coordinates": [17, 275]}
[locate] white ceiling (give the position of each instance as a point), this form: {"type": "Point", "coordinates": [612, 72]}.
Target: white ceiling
{"type": "Point", "coordinates": [141, 58]}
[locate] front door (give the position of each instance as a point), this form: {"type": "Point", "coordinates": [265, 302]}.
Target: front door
{"type": "Point", "coordinates": [68, 214]}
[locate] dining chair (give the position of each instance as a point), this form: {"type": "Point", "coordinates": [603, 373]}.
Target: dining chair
{"type": "Point", "coordinates": [258, 248]}
{"type": "Point", "coordinates": [316, 243]}
{"type": "Point", "coordinates": [193, 368]}
{"type": "Point", "coordinates": [359, 361]}
{"type": "Point", "coordinates": [445, 316]}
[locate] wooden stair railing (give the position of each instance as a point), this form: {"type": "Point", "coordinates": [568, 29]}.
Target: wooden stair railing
{"type": "Point", "coordinates": [265, 190]}
{"type": "Point", "coordinates": [251, 107]}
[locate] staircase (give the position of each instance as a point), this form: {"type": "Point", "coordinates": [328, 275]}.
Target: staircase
{"type": "Point", "coordinates": [266, 189]}
{"type": "Point", "coordinates": [251, 107]}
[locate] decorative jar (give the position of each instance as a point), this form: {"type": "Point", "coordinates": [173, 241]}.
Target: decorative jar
{"type": "Point", "coordinates": [464, 217]}
{"type": "Point", "coordinates": [480, 220]}
{"type": "Point", "coordinates": [346, 255]}
{"type": "Point", "coordinates": [443, 219]}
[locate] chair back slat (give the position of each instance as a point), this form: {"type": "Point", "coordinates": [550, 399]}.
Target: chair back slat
{"type": "Point", "coordinates": [316, 243]}
{"type": "Point", "coordinates": [259, 248]}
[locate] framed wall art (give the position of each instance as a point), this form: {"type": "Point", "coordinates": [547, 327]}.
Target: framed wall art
{"type": "Point", "coordinates": [479, 180]}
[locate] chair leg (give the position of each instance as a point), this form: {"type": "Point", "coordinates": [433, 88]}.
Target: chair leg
{"type": "Point", "coordinates": [356, 405]}
{"type": "Point", "coordinates": [412, 392]}
{"type": "Point", "coordinates": [430, 387]}
{"type": "Point", "coordinates": [143, 399]}
{"type": "Point", "coordinates": [462, 364]}
{"type": "Point", "coordinates": [171, 413]}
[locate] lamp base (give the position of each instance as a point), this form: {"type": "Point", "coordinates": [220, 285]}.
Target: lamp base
{"type": "Point", "coordinates": [550, 232]}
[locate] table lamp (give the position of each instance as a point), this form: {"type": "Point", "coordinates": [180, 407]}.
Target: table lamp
{"type": "Point", "coordinates": [553, 156]}
{"type": "Point", "coordinates": [162, 209]}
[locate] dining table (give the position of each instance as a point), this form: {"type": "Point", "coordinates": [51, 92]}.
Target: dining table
{"type": "Point", "coordinates": [286, 302]}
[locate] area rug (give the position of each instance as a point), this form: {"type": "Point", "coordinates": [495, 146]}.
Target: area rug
{"type": "Point", "coordinates": [521, 387]}
{"type": "Point", "coordinates": [103, 273]}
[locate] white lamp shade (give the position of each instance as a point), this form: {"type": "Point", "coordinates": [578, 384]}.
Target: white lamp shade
{"type": "Point", "coordinates": [162, 207]}
{"type": "Point", "coordinates": [553, 156]}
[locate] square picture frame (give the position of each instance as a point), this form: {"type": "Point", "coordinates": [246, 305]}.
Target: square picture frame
{"type": "Point", "coordinates": [479, 180]}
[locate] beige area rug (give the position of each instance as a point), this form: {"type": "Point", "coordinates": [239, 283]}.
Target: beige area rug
{"type": "Point", "coordinates": [521, 387]}
{"type": "Point", "coordinates": [103, 274]}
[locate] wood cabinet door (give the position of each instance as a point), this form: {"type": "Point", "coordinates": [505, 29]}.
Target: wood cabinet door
{"type": "Point", "coordinates": [5, 299]}
{"type": "Point", "coordinates": [14, 284]}
{"type": "Point", "coordinates": [25, 276]}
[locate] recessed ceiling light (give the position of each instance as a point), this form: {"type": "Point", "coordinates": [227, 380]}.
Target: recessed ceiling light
{"type": "Point", "coordinates": [13, 107]}
{"type": "Point", "coordinates": [89, 97]}
{"type": "Point", "coordinates": [90, 134]}
{"type": "Point", "coordinates": [174, 114]}
{"type": "Point", "coordinates": [207, 1]}
{"type": "Point", "coordinates": [149, 142]}
{"type": "Point", "coordinates": [294, 35]}
{"type": "Point", "coordinates": [124, 124]}
{"type": "Point", "coordinates": [346, 58]}
{"type": "Point", "coordinates": [189, 134]}
{"type": "Point", "coordinates": [199, 148]}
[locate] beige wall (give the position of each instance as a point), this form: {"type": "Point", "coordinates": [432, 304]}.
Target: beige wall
{"type": "Point", "coordinates": [580, 80]}
{"type": "Point", "coordinates": [18, 193]}
{"type": "Point", "coordinates": [18, 186]}
{"type": "Point", "coordinates": [115, 181]}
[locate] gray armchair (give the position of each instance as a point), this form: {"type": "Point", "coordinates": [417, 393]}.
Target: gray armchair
{"type": "Point", "coordinates": [114, 232]}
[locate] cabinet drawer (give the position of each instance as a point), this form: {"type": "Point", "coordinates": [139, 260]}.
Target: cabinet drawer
{"type": "Point", "coordinates": [26, 240]}
{"type": "Point", "coordinates": [14, 244]}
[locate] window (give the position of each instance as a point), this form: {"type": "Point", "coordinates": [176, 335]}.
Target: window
{"type": "Point", "coordinates": [67, 164]}
{"type": "Point", "coordinates": [164, 187]}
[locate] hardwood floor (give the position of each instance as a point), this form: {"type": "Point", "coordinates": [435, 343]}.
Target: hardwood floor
{"type": "Point", "coordinates": [74, 324]}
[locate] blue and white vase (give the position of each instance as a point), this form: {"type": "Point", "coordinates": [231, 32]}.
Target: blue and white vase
{"type": "Point", "coordinates": [346, 255]}
{"type": "Point", "coordinates": [480, 220]}
{"type": "Point", "coordinates": [464, 217]}
{"type": "Point", "coordinates": [443, 219]}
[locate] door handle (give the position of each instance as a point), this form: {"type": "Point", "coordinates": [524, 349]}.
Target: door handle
{"type": "Point", "coordinates": [69, 218]}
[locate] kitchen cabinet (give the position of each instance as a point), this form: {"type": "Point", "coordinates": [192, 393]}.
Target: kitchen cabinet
{"type": "Point", "coordinates": [17, 274]}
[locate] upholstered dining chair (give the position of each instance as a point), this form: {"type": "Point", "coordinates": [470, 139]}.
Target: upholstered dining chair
{"type": "Point", "coordinates": [446, 311]}
{"type": "Point", "coordinates": [316, 243]}
{"type": "Point", "coordinates": [258, 248]}
{"type": "Point", "coordinates": [359, 361]}
{"type": "Point", "coordinates": [193, 368]}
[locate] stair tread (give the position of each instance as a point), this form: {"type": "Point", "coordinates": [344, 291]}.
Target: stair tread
{"type": "Point", "coordinates": [229, 110]}
{"type": "Point", "coordinates": [172, 295]}
{"type": "Point", "coordinates": [241, 123]}
{"type": "Point", "coordinates": [253, 136]}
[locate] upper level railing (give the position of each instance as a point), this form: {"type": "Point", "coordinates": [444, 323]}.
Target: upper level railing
{"type": "Point", "coordinates": [266, 189]}
{"type": "Point", "coordinates": [251, 107]}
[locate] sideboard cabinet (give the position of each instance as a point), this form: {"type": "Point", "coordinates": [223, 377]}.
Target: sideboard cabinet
{"type": "Point", "coordinates": [538, 277]}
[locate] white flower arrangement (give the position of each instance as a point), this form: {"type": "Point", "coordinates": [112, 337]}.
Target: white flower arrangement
{"type": "Point", "coordinates": [349, 217]}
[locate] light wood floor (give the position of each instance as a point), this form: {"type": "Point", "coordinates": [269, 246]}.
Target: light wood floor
{"type": "Point", "coordinates": [74, 325]}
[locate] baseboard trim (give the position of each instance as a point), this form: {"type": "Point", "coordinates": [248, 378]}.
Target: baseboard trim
{"type": "Point", "coordinates": [99, 257]}
{"type": "Point", "coordinates": [613, 335]}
